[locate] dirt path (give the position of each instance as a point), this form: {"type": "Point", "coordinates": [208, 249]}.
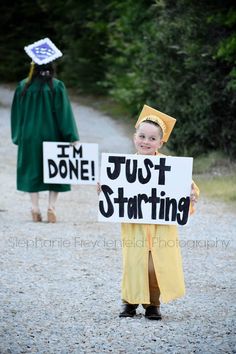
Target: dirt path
{"type": "Point", "coordinates": [60, 284]}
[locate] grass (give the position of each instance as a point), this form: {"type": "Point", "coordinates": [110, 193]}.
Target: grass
{"type": "Point", "coordinates": [221, 188]}
{"type": "Point", "coordinates": [215, 175]}
{"type": "Point", "coordinates": [215, 163]}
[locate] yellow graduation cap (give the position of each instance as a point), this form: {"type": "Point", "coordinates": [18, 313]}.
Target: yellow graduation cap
{"type": "Point", "coordinates": [166, 122]}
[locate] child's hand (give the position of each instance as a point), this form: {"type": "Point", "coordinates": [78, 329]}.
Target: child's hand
{"type": "Point", "coordinates": [193, 195]}
{"type": "Point", "coordinates": [99, 188]}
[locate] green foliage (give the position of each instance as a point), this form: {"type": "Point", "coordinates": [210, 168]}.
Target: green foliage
{"type": "Point", "coordinates": [82, 34]}
{"type": "Point", "coordinates": [170, 55]}
{"type": "Point", "coordinates": [124, 79]}
{"type": "Point", "coordinates": [21, 23]}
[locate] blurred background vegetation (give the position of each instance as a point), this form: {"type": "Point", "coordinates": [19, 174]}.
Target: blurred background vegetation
{"type": "Point", "coordinates": [177, 56]}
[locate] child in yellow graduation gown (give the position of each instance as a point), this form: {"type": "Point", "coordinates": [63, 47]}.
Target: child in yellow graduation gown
{"type": "Point", "coordinates": [152, 271]}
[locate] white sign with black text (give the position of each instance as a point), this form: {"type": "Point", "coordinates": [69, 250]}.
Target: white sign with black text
{"type": "Point", "coordinates": [145, 189]}
{"type": "Point", "coordinates": [64, 163]}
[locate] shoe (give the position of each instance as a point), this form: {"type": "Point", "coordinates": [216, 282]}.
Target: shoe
{"type": "Point", "coordinates": [36, 216]}
{"type": "Point", "coordinates": [52, 217]}
{"type": "Point", "coordinates": [153, 313]}
{"type": "Point", "coordinates": [128, 310]}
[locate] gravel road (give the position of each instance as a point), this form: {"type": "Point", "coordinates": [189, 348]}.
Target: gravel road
{"type": "Point", "coordinates": [60, 283]}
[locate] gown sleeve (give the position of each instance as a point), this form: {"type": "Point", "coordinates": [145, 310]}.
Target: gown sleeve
{"type": "Point", "coordinates": [16, 116]}
{"type": "Point", "coordinates": [64, 114]}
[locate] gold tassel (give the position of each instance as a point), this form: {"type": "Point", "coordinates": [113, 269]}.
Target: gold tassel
{"type": "Point", "coordinates": [31, 72]}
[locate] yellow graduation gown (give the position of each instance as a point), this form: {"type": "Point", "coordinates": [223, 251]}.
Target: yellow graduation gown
{"type": "Point", "coordinates": [162, 241]}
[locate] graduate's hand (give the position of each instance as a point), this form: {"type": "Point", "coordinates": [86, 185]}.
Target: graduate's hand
{"type": "Point", "coordinates": [99, 188]}
{"type": "Point", "coordinates": [74, 143]}
{"type": "Point", "coordinates": [193, 195]}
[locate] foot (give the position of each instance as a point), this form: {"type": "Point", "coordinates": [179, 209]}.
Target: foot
{"type": "Point", "coordinates": [153, 313]}
{"type": "Point", "coordinates": [128, 310]}
{"type": "Point", "coordinates": [52, 217]}
{"type": "Point", "coordinates": [36, 216]}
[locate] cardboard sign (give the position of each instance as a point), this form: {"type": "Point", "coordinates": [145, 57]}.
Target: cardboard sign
{"type": "Point", "coordinates": [67, 164]}
{"type": "Point", "coordinates": [145, 189]}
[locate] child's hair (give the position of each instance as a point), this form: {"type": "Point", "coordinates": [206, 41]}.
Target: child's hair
{"type": "Point", "coordinates": [153, 123]}
{"type": "Point", "coordinates": [43, 72]}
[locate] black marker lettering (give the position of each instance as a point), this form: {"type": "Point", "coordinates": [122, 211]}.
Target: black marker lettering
{"type": "Point", "coordinates": [132, 208]}
{"type": "Point", "coordinates": [110, 209]}
{"type": "Point", "coordinates": [148, 164]}
{"type": "Point", "coordinates": [131, 176]}
{"type": "Point", "coordinates": [141, 198]}
{"type": "Point", "coordinates": [183, 206]}
{"type": "Point", "coordinates": [162, 169]}
{"type": "Point", "coordinates": [63, 168]}
{"type": "Point", "coordinates": [173, 204]}
{"type": "Point", "coordinates": [78, 151]}
{"type": "Point", "coordinates": [121, 200]}
{"type": "Point", "coordinates": [162, 206]}
{"type": "Point", "coordinates": [154, 200]}
{"type": "Point", "coordinates": [63, 148]}
{"type": "Point", "coordinates": [84, 170]}
{"type": "Point", "coordinates": [73, 168]}
{"type": "Point", "coordinates": [52, 164]}
{"type": "Point", "coordinates": [117, 160]}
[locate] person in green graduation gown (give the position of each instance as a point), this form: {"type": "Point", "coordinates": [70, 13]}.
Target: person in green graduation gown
{"type": "Point", "coordinates": [41, 111]}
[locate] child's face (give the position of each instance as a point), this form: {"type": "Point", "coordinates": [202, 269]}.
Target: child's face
{"type": "Point", "coordinates": [147, 139]}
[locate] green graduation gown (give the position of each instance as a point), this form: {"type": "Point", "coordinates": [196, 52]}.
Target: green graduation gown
{"type": "Point", "coordinates": [39, 115]}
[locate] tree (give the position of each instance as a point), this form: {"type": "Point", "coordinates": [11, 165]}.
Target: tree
{"type": "Point", "coordinates": [19, 22]}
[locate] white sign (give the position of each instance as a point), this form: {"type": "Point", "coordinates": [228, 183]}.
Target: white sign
{"type": "Point", "coordinates": [67, 164]}
{"type": "Point", "coordinates": [145, 189]}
